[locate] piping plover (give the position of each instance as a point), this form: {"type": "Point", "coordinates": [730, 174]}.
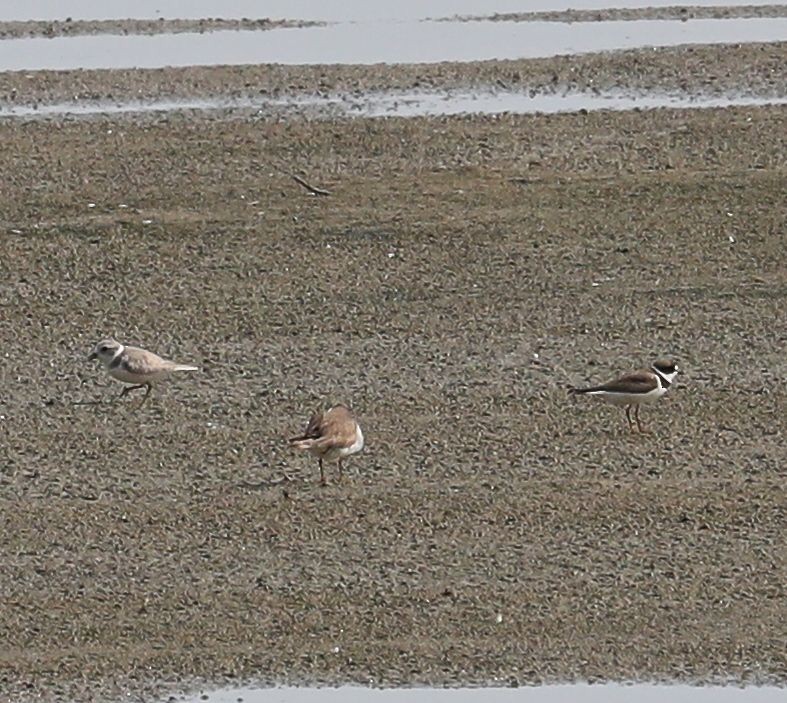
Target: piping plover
{"type": "Point", "coordinates": [135, 366]}
{"type": "Point", "coordinates": [635, 388]}
{"type": "Point", "coordinates": [331, 436]}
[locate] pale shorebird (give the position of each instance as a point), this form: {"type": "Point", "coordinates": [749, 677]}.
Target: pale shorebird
{"type": "Point", "coordinates": [635, 388]}
{"type": "Point", "coordinates": [135, 366]}
{"type": "Point", "coordinates": [332, 435]}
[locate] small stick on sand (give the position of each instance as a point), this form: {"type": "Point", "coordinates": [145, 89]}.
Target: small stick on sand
{"type": "Point", "coordinates": [310, 188]}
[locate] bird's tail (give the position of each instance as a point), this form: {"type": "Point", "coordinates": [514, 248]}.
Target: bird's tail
{"type": "Point", "coordinates": [302, 442]}
{"type": "Point", "coordinates": [184, 367]}
{"type": "Point", "coordinates": [580, 391]}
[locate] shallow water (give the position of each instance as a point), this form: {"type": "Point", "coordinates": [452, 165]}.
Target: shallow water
{"type": "Point", "coordinates": [397, 104]}
{"type": "Point", "coordinates": [577, 693]}
{"type": "Point", "coordinates": [377, 42]}
{"type": "Point", "coordinates": [326, 10]}
{"type": "Point", "coordinates": [421, 104]}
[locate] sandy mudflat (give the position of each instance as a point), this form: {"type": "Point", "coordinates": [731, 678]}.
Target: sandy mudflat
{"type": "Point", "coordinates": [71, 27]}
{"type": "Point", "coordinates": [462, 273]}
{"type": "Point", "coordinates": [679, 12]}
{"type": "Point", "coordinates": [748, 69]}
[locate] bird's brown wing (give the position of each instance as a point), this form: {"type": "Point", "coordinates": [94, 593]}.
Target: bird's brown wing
{"type": "Point", "coordinates": [142, 362]}
{"type": "Point", "coordinates": [635, 382]}
{"type": "Point", "coordinates": [313, 430]}
{"type": "Point", "coordinates": [338, 428]}
{"type": "Point", "coordinates": [334, 428]}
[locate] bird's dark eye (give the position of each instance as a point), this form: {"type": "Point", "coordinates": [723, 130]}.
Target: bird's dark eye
{"type": "Point", "coordinates": [104, 348]}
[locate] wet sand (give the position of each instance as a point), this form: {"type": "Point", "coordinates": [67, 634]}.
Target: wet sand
{"type": "Point", "coordinates": [676, 12]}
{"type": "Point", "coordinates": [70, 27]}
{"type": "Point", "coordinates": [461, 275]}
{"type": "Point", "coordinates": [73, 28]}
{"type": "Point", "coordinates": [747, 69]}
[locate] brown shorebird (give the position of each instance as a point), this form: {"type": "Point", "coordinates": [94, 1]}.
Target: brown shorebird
{"type": "Point", "coordinates": [332, 435]}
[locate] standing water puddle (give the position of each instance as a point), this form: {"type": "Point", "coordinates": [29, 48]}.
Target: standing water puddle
{"type": "Point", "coordinates": [396, 104]}
{"type": "Point", "coordinates": [377, 42]}
{"type": "Point", "coordinates": [434, 104]}
{"type": "Point", "coordinates": [576, 693]}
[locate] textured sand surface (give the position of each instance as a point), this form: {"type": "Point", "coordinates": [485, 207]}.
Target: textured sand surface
{"type": "Point", "coordinates": [462, 273]}
{"type": "Point", "coordinates": [71, 27]}
{"type": "Point", "coordinates": [745, 69]}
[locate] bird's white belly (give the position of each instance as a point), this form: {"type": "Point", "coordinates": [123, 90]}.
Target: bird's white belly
{"type": "Point", "coordinates": [629, 398]}
{"type": "Point", "coordinates": [121, 374]}
{"type": "Point", "coordinates": [336, 453]}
